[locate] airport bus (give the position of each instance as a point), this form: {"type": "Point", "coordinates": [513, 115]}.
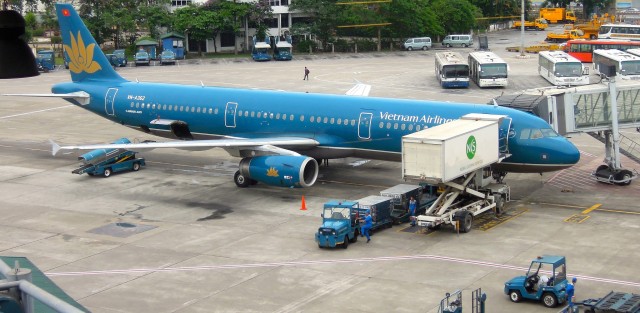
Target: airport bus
{"type": "Point", "coordinates": [487, 69]}
{"type": "Point", "coordinates": [452, 70]}
{"type": "Point", "coordinates": [627, 65]}
{"type": "Point", "coordinates": [583, 49]}
{"type": "Point", "coordinates": [619, 31]}
{"type": "Point", "coordinates": [561, 69]}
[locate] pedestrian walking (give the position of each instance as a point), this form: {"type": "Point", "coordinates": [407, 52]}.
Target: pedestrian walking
{"type": "Point", "coordinates": [306, 73]}
{"type": "Point", "coordinates": [412, 211]}
{"type": "Point", "coordinates": [366, 227]}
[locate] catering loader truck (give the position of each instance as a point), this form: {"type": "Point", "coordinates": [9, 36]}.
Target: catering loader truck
{"type": "Point", "coordinates": [457, 157]}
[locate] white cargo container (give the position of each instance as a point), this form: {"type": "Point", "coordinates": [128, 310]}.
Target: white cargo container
{"type": "Point", "coordinates": [448, 151]}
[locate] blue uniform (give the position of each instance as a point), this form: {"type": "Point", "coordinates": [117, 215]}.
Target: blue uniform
{"type": "Point", "coordinates": [412, 211]}
{"type": "Point", "coordinates": [368, 223]}
{"type": "Point", "coordinates": [570, 291]}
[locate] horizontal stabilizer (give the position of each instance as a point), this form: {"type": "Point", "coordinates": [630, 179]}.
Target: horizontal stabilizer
{"type": "Point", "coordinates": [80, 96]}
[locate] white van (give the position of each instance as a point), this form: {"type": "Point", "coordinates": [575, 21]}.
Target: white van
{"type": "Point", "coordinates": [423, 43]}
{"type": "Point", "coordinates": [457, 40]}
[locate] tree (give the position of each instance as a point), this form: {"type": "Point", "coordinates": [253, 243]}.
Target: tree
{"type": "Point", "coordinates": [231, 16]}
{"type": "Point", "coordinates": [456, 16]}
{"type": "Point", "coordinates": [259, 11]}
{"type": "Point", "coordinates": [424, 20]}
{"type": "Point", "coordinates": [325, 18]}
{"type": "Point", "coordinates": [154, 16]}
{"type": "Point", "coordinates": [195, 22]}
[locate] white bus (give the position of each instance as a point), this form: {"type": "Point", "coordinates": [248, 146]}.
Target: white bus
{"type": "Point", "coordinates": [561, 69]}
{"type": "Point", "coordinates": [487, 69]}
{"type": "Point", "coordinates": [627, 65]}
{"type": "Point", "coordinates": [452, 70]}
{"type": "Point", "coordinates": [619, 31]}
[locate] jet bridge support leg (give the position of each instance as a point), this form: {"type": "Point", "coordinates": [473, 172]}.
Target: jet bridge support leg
{"type": "Point", "coordinates": [612, 172]}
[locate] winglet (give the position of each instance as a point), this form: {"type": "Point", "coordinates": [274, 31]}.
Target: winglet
{"type": "Point", "coordinates": [54, 147]}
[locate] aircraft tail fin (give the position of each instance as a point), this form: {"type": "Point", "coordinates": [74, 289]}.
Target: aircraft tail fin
{"type": "Point", "coordinates": [86, 60]}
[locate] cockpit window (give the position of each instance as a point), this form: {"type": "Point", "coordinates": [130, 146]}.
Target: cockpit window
{"type": "Point", "coordinates": [529, 133]}
{"type": "Point", "coordinates": [535, 134]}
{"type": "Point", "coordinates": [548, 132]}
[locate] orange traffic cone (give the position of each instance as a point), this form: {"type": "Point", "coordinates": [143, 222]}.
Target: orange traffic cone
{"type": "Point", "coordinates": [303, 207]}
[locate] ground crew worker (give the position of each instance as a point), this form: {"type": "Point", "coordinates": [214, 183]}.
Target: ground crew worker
{"type": "Point", "coordinates": [571, 289]}
{"type": "Point", "coordinates": [412, 211]}
{"type": "Point", "coordinates": [368, 223]}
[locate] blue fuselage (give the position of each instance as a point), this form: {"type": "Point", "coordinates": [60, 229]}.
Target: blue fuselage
{"type": "Point", "coordinates": [344, 126]}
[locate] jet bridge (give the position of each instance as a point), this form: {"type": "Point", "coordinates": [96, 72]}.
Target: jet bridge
{"type": "Point", "coordinates": [590, 109]}
{"type": "Point", "coordinates": [457, 157]}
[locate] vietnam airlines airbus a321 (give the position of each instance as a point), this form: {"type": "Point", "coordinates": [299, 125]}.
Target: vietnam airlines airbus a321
{"type": "Point", "coordinates": [280, 135]}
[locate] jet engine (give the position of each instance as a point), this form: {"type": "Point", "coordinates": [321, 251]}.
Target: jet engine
{"type": "Point", "coordinates": [278, 170]}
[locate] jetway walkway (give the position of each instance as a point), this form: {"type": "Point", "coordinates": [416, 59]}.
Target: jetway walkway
{"type": "Point", "coordinates": [589, 109]}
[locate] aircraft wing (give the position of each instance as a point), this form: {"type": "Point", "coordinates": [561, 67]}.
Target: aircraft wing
{"type": "Point", "coordinates": [270, 145]}
{"type": "Point", "coordinates": [80, 96]}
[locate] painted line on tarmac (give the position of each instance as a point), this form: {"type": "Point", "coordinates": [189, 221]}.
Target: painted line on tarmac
{"type": "Point", "coordinates": [323, 262]}
{"type": "Point", "coordinates": [32, 112]}
{"type": "Point", "coordinates": [593, 207]}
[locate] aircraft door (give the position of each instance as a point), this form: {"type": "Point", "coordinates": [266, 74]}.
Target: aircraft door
{"type": "Point", "coordinates": [364, 125]}
{"type": "Point", "coordinates": [109, 101]}
{"type": "Point", "coordinates": [504, 133]}
{"type": "Point", "coordinates": [230, 114]}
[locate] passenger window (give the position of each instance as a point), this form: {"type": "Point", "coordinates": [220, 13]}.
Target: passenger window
{"type": "Point", "coordinates": [411, 127]}
{"type": "Point", "coordinates": [132, 104]}
{"type": "Point", "coordinates": [403, 126]}
{"type": "Point", "coordinates": [253, 114]}
{"type": "Point", "coordinates": [381, 125]}
{"type": "Point", "coordinates": [301, 118]}
{"type": "Point", "coordinates": [181, 108]}
{"type": "Point", "coordinates": [332, 120]}
{"type": "Point", "coordinates": [239, 112]}
{"type": "Point", "coordinates": [198, 110]}
{"type": "Point", "coordinates": [211, 111]}
{"type": "Point", "coordinates": [291, 117]}
{"type": "Point", "coordinates": [353, 122]}
{"type": "Point", "coordinates": [259, 114]}
{"type": "Point", "coordinates": [326, 120]}
{"type": "Point", "coordinates": [278, 116]}
{"type": "Point", "coordinates": [388, 125]}
{"type": "Point", "coordinates": [418, 128]}
{"type": "Point", "coordinates": [395, 126]}
{"type": "Point", "coordinates": [215, 111]}
{"type": "Point", "coordinates": [271, 115]}
{"type": "Point", "coordinates": [312, 119]}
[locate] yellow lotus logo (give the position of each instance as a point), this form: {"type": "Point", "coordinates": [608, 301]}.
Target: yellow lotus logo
{"type": "Point", "coordinates": [81, 57]}
{"type": "Point", "coordinates": [272, 172]}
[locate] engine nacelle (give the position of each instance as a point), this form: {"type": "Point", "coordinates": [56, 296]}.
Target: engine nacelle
{"type": "Point", "coordinates": [281, 170]}
{"type": "Point", "coordinates": [100, 154]}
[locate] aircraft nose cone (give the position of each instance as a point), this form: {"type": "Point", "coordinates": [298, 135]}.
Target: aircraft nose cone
{"type": "Point", "coordinates": [571, 154]}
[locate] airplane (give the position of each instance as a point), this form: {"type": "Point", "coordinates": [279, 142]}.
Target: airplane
{"type": "Point", "coordinates": [280, 136]}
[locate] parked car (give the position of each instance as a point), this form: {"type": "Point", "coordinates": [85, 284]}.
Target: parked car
{"type": "Point", "coordinates": [167, 57]}
{"type": "Point", "coordinates": [457, 40]}
{"type": "Point", "coordinates": [120, 58]}
{"type": "Point", "coordinates": [423, 43]}
{"type": "Point", "coordinates": [142, 58]}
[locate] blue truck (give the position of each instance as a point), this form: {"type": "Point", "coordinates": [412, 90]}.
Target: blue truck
{"type": "Point", "coordinates": [340, 224]}
{"type": "Point", "coordinates": [46, 61]}
{"type": "Point", "coordinates": [537, 285]}
{"type": "Point", "coordinates": [108, 161]}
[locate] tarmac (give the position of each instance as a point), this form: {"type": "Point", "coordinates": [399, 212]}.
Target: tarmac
{"type": "Point", "coordinates": [179, 236]}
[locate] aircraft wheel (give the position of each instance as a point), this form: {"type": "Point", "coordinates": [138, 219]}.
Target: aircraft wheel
{"type": "Point", "coordinates": [515, 296]}
{"type": "Point", "coordinates": [345, 244]}
{"type": "Point", "coordinates": [240, 180]}
{"type": "Point", "coordinates": [549, 300]}
{"type": "Point", "coordinates": [136, 167]}
{"type": "Point", "coordinates": [107, 172]}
